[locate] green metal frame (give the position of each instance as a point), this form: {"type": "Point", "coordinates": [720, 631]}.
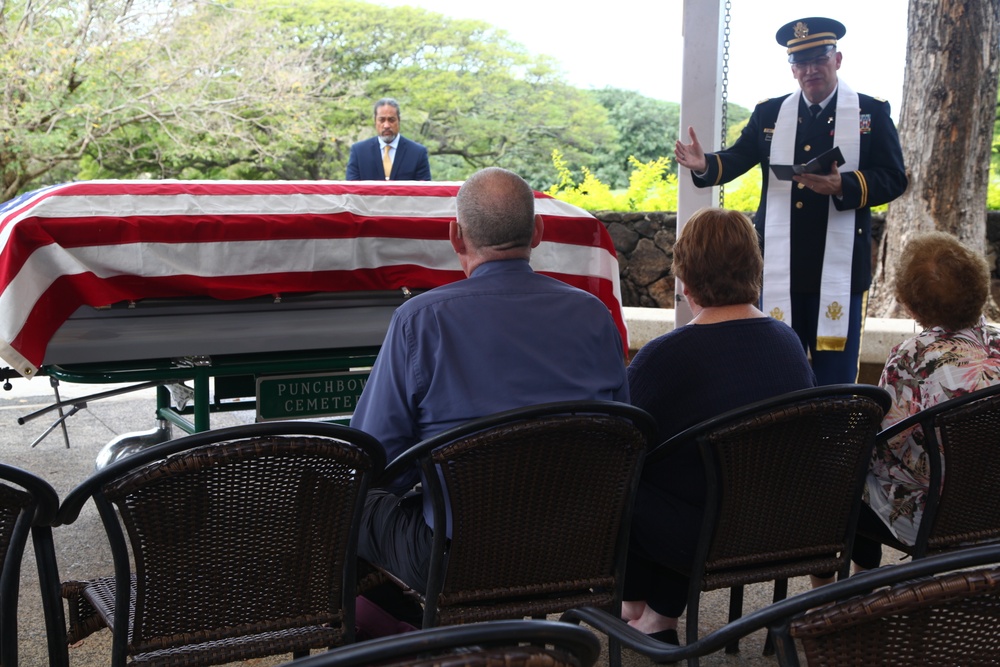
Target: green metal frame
{"type": "Point", "coordinates": [200, 370]}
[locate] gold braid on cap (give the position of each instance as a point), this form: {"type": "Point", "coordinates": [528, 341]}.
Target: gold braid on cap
{"type": "Point", "coordinates": [812, 41]}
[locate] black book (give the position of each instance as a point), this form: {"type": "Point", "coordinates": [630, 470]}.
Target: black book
{"type": "Point", "coordinates": [818, 165]}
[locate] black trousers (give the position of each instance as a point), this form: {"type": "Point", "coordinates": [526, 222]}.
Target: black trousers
{"type": "Point", "coordinates": [395, 536]}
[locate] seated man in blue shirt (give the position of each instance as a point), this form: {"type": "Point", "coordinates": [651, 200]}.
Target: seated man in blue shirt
{"type": "Point", "coordinates": [505, 337]}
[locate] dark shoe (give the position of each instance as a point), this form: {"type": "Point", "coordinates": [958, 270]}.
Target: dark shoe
{"type": "Point", "coordinates": [391, 599]}
{"type": "Point", "coordinates": [666, 636]}
{"type": "Point", "coordinates": [372, 621]}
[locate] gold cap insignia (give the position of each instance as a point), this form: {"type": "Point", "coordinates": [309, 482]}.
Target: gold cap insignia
{"type": "Point", "coordinates": [834, 311]}
{"type": "Point", "coordinates": [801, 30]}
{"type": "Point", "coordinates": [777, 314]}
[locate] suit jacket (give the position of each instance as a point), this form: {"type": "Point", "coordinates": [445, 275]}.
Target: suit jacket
{"type": "Point", "coordinates": [880, 178]}
{"type": "Point", "coordinates": [410, 163]}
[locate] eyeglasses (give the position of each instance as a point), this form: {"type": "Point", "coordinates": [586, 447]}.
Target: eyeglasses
{"type": "Point", "coordinates": [803, 65]}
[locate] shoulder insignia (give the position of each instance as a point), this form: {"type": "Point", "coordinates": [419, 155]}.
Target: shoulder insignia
{"type": "Point", "coordinates": [763, 100]}
{"type": "Point", "coordinates": [880, 99]}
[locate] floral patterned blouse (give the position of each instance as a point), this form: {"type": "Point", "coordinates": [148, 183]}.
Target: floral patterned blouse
{"type": "Point", "coordinates": [933, 366]}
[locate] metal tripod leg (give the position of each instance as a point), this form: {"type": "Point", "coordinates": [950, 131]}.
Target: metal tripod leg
{"type": "Point", "coordinates": [54, 381]}
{"type": "Point", "coordinates": [60, 422]}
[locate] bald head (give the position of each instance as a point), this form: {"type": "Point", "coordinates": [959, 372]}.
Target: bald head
{"type": "Point", "coordinates": [496, 210]}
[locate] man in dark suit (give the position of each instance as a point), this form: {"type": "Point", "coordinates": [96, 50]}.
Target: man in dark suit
{"type": "Point", "coordinates": [389, 156]}
{"type": "Point", "coordinates": [816, 228]}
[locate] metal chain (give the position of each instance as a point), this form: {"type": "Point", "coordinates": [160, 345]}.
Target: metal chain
{"type": "Point", "coordinates": [725, 92]}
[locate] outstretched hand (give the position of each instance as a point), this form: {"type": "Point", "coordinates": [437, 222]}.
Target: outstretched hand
{"type": "Point", "coordinates": [824, 184]}
{"type": "Point", "coordinates": [691, 155]}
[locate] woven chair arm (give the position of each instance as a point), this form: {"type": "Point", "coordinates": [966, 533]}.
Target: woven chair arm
{"type": "Point", "coordinates": [83, 618]}
{"type": "Point", "coordinates": [401, 473]}
{"type": "Point", "coordinates": [45, 497]}
{"type": "Point", "coordinates": [892, 601]}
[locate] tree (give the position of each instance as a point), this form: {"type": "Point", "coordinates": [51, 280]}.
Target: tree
{"type": "Point", "coordinates": [468, 92]}
{"type": "Point", "coordinates": [946, 129]}
{"type": "Point", "coordinates": [646, 128]}
{"type": "Point", "coordinates": [144, 82]}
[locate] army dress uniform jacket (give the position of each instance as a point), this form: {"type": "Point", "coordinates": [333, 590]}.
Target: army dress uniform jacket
{"type": "Point", "coordinates": [879, 179]}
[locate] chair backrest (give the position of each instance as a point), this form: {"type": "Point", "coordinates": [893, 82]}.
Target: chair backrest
{"type": "Point", "coordinates": [511, 643]}
{"type": "Point", "coordinates": [237, 532]}
{"type": "Point", "coordinates": [961, 438]}
{"type": "Point", "coordinates": [540, 503]}
{"type": "Point", "coordinates": [28, 505]}
{"type": "Point", "coordinates": [948, 619]}
{"type": "Point", "coordinates": [784, 483]}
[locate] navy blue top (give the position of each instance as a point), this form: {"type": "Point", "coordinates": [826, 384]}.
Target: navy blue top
{"type": "Point", "coordinates": [699, 371]}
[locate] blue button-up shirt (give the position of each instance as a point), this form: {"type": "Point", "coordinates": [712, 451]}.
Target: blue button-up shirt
{"type": "Point", "coordinates": [504, 338]}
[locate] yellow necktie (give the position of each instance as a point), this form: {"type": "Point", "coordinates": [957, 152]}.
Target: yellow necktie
{"type": "Point", "coordinates": [386, 162]}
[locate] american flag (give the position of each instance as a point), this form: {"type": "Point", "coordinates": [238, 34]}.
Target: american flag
{"type": "Point", "coordinates": [97, 243]}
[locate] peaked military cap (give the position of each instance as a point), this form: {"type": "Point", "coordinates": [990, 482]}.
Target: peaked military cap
{"type": "Point", "coordinates": [810, 37]}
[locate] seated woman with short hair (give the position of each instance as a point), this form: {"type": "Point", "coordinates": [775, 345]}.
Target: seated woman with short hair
{"type": "Point", "coordinates": [944, 285]}
{"type": "Point", "coordinates": [729, 355]}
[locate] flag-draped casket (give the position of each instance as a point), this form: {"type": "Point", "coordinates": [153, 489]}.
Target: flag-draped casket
{"type": "Point", "coordinates": [92, 244]}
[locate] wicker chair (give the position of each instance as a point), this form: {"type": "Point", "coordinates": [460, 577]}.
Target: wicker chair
{"type": "Point", "coordinates": [28, 504]}
{"type": "Point", "coordinates": [963, 506]}
{"type": "Point", "coordinates": [784, 489]}
{"type": "Point", "coordinates": [540, 501]}
{"type": "Point", "coordinates": [512, 643]}
{"type": "Point", "coordinates": [784, 479]}
{"type": "Point", "coordinates": [924, 618]}
{"type": "Point", "coordinates": [950, 619]}
{"type": "Point", "coordinates": [243, 540]}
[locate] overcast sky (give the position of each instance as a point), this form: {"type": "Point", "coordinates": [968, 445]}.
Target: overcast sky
{"type": "Point", "coordinates": [636, 44]}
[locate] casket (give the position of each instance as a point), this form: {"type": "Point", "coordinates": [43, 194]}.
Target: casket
{"type": "Point", "coordinates": [240, 282]}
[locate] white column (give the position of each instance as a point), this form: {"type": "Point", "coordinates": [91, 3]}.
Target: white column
{"type": "Point", "coordinates": [701, 107]}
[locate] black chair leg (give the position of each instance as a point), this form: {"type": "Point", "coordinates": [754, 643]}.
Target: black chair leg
{"type": "Point", "coordinates": [735, 612]}
{"type": "Point", "coordinates": [780, 593]}
{"type": "Point", "coordinates": [48, 574]}
{"type": "Point", "coordinates": [614, 652]}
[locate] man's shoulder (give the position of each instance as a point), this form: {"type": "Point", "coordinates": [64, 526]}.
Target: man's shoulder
{"type": "Point", "coordinates": [872, 102]}
{"type": "Point", "coordinates": [359, 144]}
{"type": "Point", "coordinates": [409, 142]}
{"type": "Point", "coordinates": [769, 103]}
{"type": "Point", "coordinates": [871, 99]}
{"type": "Point", "coordinates": [486, 286]}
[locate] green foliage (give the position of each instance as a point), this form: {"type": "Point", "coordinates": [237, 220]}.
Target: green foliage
{"type": "Point", "coordinates": [142, 87]}
{"type": "Point", "coordinates": [650, 188]}
{"type": "Point", "coordinates": [646, 130]}
{"type": "Point", "coordinates": [993, 191]}
{"type": "Point", "coordinates": [265, 89]}
{"type": "Point", "coordinates": [743, 193]}
{"type": "Point", "coordinates": [468, 92]}
{"type": "Point", "coordinates": [590, 193]}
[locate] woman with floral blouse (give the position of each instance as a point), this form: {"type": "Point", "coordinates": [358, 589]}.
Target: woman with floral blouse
{"type": "Point", "coordinates": [944, 285]}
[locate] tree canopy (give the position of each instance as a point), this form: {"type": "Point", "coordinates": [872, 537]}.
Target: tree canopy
{"type": "Point", "coordinates": [269, 89]}
{"type": "Point", "coordinates": [144, 85]}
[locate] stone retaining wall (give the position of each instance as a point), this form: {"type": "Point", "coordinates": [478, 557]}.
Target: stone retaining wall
{"type": "Point", "coordinates": [645, 241]}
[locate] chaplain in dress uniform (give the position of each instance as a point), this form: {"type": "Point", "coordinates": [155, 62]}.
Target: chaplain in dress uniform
{"type": "Point", "coordinates": [815, 228]}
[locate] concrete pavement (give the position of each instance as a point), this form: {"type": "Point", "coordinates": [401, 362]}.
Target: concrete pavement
{"type": "Point", "coordinates": [81, 549]}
